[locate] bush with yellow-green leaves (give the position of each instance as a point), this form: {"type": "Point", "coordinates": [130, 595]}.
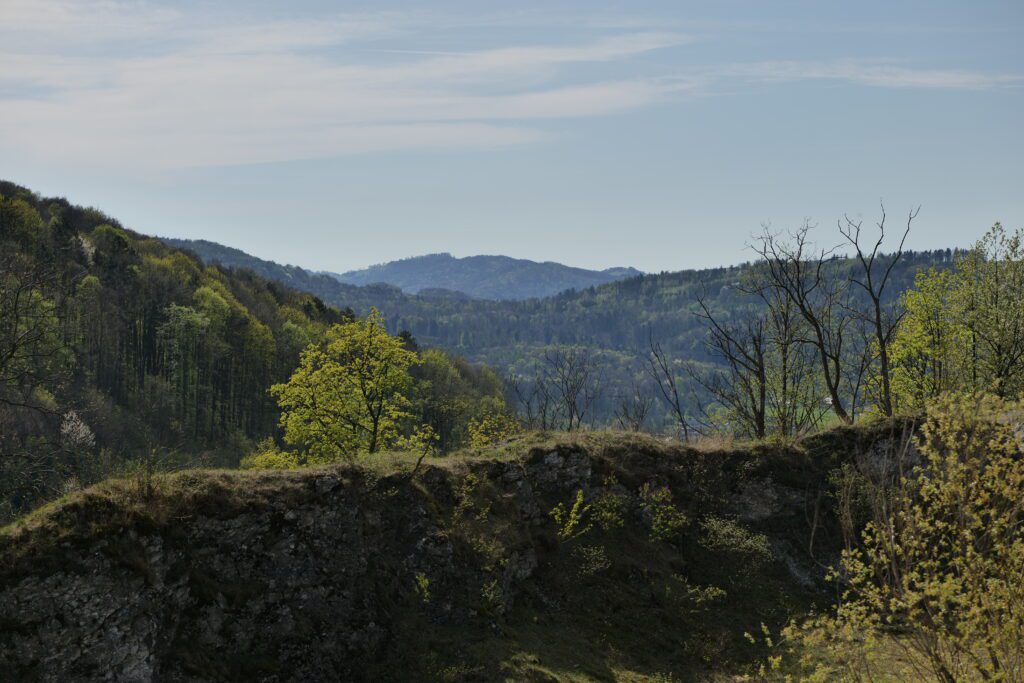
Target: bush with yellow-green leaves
{"type": "Point", "coordinates": [934, 589]}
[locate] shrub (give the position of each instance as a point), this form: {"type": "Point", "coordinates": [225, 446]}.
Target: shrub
{"type": "Point", "coordinates": [570, 521]}
{"type": "Point", "coordinates": [592, 560]}
{"type": "Point", "coordinates": [666, 521]}
{"type": "Point", "coordinates": [268, 457]}
{"type": "Point", "coordinates": [609, 508]}
{"type": "Point", "coordinates": [423, 587]}
{"type": "Point", "coordinates": [724, 535]}
{"type": "Point", "coordinates": [492, 429]}
{"type": "Point", "coordinates": [936, 574]}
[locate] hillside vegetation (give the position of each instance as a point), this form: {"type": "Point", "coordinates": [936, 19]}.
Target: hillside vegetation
{"type": "Point", "coordinates": [403, 519]}
{"type": "Point", "coordinates": [615, 316]}
{"type": "Point", "coordinates": [482, 277]}
{"type": "Point", "coordinates": [118, 351]}
{"type": "Point", "coordinates": [616, 322]}
{"type": "Point", "coordinates": [600, 557]}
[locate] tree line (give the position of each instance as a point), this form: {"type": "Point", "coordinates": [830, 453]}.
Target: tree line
{"type": "Point", "coordinates": [818, 336]}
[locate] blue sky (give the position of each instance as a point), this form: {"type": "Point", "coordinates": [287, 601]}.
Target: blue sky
{"type": "Point", "coordinates": [659, 135]}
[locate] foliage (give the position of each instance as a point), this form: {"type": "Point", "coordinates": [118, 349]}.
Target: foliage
{"type": "Point", "coordinates": [350, 396]}
{"type": "Point", "coordinates": [665, 520]}
{"type": "Point", "coordinates": [450, 394]}
{"type": "Point", "coordinates": [592, 560]}
{"type": "Point", "coordinates": [693, 597]}
{"type": "Point", "coordinates": [423, 587]}
{"type": "Point", "coordinates": [749, 550]}
{"type": "Point", "coordinates": [267, 456]}
{"type": "Point", "coordinates": [926, 346]}
{"type": "Point", "coordinates": [492, 429]}
{"type": "Point", "coordinates": [104, 332]}
{"type": "Point", "coordinates": [964, 330]}
{"type": "Point", "coordinates": [936, 576]}
{"type": "Point", "coordinates": [570, 521]}
{"type": "Point", "coordinates": [147, 347]}
{"type": "Point", "coordinates": [609, 507]}
{"type": "Point", "coordinates": [493, 597]}
{"type": "Point", "coordinates": [615, 321]}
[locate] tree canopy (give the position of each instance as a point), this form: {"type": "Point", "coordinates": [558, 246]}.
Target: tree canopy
{"type": "Point", "coordinates": [349, 395]}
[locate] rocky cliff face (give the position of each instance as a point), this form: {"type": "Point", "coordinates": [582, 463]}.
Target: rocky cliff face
{"type": "Point", "coordinates": [454, 573]}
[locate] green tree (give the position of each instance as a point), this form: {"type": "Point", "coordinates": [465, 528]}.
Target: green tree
{"type": "Point", "coordinates": [926, 352]}
{"type": "Point", "coordinates": [964, 330]}
{"type": "Point", "coordinates": [989, 299]}
{"type": "Point", "coordinates": [32, 354]}
{"type": "Point", "coordinates": [349, 396]}
{"type": "Point", "coordinates": [450, 393]}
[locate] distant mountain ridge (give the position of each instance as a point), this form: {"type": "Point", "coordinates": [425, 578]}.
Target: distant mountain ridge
{"type": "Point", "coordinates": [483, 277]}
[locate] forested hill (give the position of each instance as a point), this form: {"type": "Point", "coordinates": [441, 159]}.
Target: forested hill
{"type": "Point", "coordinates": [436, 275]}
{"type": "Point", "coordinates": [114, 345]}
{"type": "Point", "coordinates": [320, 284]}
{"type": "Point", "coordinates": [484, 277]}
{"type": "Point", "coordinates": [616, 318]}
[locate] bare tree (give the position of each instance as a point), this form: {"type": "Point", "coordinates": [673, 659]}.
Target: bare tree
{"type": "Point", "coordinates": [808, 279]}
{"type": "Point", "coordinates": [633, 408]}
{"type": "Point", "coordinates": [577, 381]}
{"type": "Point", "coordinates": [742, 387]}
{"type": "Point", "coordinates": [881, 317]}
{"type": "Point", "coordinates": [660, 369]}
{"type": "Point", "coordinates": [536, 401]}
{"type": "Point", "coordinates": [794, 402]}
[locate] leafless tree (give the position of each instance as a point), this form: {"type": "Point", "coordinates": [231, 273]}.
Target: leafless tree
{"type": "Point", "coordinates": [577, 381]}
{"type": "Point", "coordinates": [633, 408]}
{"type": "Point", "coordinates": [742, 387]}
{"type": "Point", "coordinates": [535, 399]}
{"type": "Point", "coordinates": [808, 279]}
{"type": "Point", "coordinates": [661, 370]}
{"type": "Point", "coordinates": [794, 402]}
{"type": "Point", "coordinates": [882, 318]}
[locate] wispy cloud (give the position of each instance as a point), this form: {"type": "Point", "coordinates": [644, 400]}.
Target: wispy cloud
{"type": "Point", "coordinates": [280, 90]}
{"type": "Point", "coordinates": [128, 83]}
{"type": "Point", "coordinates": [869, 73]}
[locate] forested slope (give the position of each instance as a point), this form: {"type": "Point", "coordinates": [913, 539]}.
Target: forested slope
{"type": "Point", "coordinates": [115, 345]}
{"type": "Point", "coordinates": [117, 350]}
{"type": "Point", "coordinates": [614, 316]}
{"type": "Point", "coordinates": [483, 277]}
{"type": "Point", "coordinates": [615, 321]}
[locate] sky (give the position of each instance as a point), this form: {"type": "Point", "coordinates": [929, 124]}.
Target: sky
{"type": "Point", "coordinates": [659, 135]}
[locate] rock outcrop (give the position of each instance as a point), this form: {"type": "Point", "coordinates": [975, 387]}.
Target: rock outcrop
{"type": "Point", "coordinates": [343, 574]}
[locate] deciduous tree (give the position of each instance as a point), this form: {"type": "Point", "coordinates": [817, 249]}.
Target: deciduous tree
{"type": "Point", "coordinates": [349, 396]}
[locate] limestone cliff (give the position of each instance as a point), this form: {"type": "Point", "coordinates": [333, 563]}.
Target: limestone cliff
{"type": "Point", "coordinates": [458, 571]}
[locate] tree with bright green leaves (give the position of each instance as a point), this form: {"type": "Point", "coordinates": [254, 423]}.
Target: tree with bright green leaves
{"type": "Point", "coordinates": [963, 330]}
{"type": "Point", "coordinates": [926, 351]}
{"type": "Point", "coordinates": [32, 354]}
{"type": "Point", "coordinates": [349, 396]}
{"type": "Point", "coordinates": [989, 300]}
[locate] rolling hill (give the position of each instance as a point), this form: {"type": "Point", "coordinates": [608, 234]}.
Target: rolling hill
{"type": "Point", "coordinates": [483, 277]}
{"type": "Point", "coordinates": [614, 320]}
